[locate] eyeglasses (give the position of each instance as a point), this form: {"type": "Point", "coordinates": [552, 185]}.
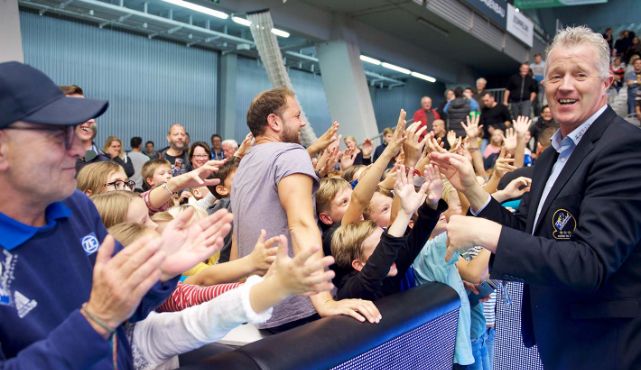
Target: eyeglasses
{"type": "Point", "coordinates": [122, 185]}
{"type": "Point", "coordinates": [68, 132]}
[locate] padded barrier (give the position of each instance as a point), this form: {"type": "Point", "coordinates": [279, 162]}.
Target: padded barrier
{"type": "Point", "coordinates": [417, 331]}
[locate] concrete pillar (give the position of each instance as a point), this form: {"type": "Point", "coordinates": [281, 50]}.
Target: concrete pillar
{"type": "Point", "coordinates": [10, 36]}
{"type": "Point", "coordinates": [345, 83]}
{"type": "Point", "coordinates": [227, 121]}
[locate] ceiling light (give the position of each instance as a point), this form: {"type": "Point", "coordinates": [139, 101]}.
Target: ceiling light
{"type": "Point", "coordinates": [367, 59]}
{"type": "Point", "coordinates": [241, 21]}
{"type": "Point", "coordinates": [396, 68]}
{"type": "Point", "coordinates": [423, 77]}
{"type": "Point", "coordinates": [199, 8]}
{"type": "Point", "coordinates": [280, 33]}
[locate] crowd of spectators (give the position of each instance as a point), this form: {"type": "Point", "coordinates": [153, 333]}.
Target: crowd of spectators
{"type": "Point", "coordinates": [252, 230]}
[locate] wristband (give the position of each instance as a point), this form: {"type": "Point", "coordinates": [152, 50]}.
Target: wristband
{"type": "Point", "coordinates": [110, 331]}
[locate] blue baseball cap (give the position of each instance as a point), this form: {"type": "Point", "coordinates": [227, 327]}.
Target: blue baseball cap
{"type": "Point", "coordinates": [28, 95]}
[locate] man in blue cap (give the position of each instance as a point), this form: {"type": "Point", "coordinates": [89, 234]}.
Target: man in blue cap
{"type": "Point", "coordinates": [64, 295]}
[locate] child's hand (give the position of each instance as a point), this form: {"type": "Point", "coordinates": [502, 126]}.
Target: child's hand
{"type": "Point", "coordinates": [264, 253]}
{"type": "Point", "coordinates": [435, 185]}
{"type": "Point", "coordinates": [404, 188]}
{"type": "Point", "coordinates": [304, 274]}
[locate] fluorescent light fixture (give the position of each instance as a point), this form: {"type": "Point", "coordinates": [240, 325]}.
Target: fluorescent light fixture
{"type": "Point", "coordinates": [241, 21]}
{"type": "Point", "coordinates": [423, 77]}
{"type": "Point", "coordinates": [396, 68]}
{"type": "Point", "coordinates": [367, 59]}
{"type": "Point", "coordinates": [199, 8]}
{"type": "Point", "coordinates": [280, 33]}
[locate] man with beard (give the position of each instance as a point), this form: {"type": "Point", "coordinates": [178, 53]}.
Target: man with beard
{"type": "Point", "coordinates": [176, 154]}
{"type": "Point", "coordinates": [274, 190]}
{"type": "Point", "coordinates": [86, 132]}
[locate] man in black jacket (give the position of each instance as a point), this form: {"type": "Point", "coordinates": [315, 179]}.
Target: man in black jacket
{"type": "Point", "coordinates": [575, 240]}
{"type": "Point", "coordinates": [520, 92]}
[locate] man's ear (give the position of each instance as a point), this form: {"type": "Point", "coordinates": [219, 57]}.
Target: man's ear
{"type": "Point", "coordinates": [222, 190]}
{"type": "Point", "coordinates": [4, 151]}
{"type": "Point", "coordinates": [357, 265]}
{"type": "Point", "coordinates": [273, 122]}
{"type": "Point", "coordinates": [325, 219]}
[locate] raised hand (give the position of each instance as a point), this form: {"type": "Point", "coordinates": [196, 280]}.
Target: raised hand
{"type": "Point", "coordinates": [305, 273]}
{"type": "Point", "coordinates": [196, 178]}
{"type": "Point", "coordinates": [120, 281]}
{"type": "Point", "coordinates": [517, 187]}
{"type": "Point", "coordinates": [433, 145]}
{"type": "Point", "coordinates": [367, 148]}
{"type": "Point", "coordinates": [435, 185]}
{"type": "Point", "coordinates": [521, 125]}
{"type": "Point", "coordinates": [404, 189]}
{"type": "Point", "coordinates": [347, 159]}
{"type": "Point", "coordinates": [413, 146]}
{"type": "Point", "coordinates": [509, 140]}
{"type": "Point", "coordinates": [325, 139]}
{"type": "Point", "coordinates": [456, 168]}
{"type": "Point", "coordinates": [187, 243]}
{"type": "Point", "coordinates": [264, 253]}
{"type": "Point", "coordinates": [451, 138]}
{"type": "Point", "coordinates": [247, 143]}
{"type": "Point", "coordinates": [472, 129]}
{"type": "Point", "coordinates": [504, 163]}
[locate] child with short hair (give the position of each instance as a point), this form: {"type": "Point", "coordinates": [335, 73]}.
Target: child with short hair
{"type": "Point", "coordinates": [222, 191]}
{"type": "Point", "coordinates": [378, 259]}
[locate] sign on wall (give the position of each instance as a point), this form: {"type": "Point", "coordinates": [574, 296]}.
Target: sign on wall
{"type": "Point", "coordinates": [535, 4]}
{"type": "Point", "coordinates": [494, 10]}
{"type": "Point", "coordinates": [520, 26]}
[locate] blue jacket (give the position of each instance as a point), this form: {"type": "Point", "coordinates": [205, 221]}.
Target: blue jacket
{"type": "Point", "coordinates": [45, 276]}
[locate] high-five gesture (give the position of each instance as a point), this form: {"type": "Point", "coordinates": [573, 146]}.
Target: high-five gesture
{"type": "Point", "coordinates": [404, 189]}
{"type": "Point", "coordinates": [324, 140]}
{"type": "Point", "coordinates": [413, 145]}
{"type": "Point", "coordinates": [521, 124]}
{"type": "Point", "coordinates": [472, 129]}
{"type": "Point", "coordinates": [435, 185]}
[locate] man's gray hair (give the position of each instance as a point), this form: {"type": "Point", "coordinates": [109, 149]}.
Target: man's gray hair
{"type": "Point", "coordinates": [481, 79]}
{"type": "Point", "coordinates": [231, 142]}
{"type": "Point", "coordinates": [581, 35]}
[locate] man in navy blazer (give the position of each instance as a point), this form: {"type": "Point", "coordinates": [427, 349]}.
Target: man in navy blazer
{"type": "Point", "coordinates": [576, 238]}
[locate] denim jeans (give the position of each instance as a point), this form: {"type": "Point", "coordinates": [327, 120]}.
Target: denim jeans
{"type": "Point", "coordinates": [483, 352]}
{"type": "Point", "coordinates": [522, 108]}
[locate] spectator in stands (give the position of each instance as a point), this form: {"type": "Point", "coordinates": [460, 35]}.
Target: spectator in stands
{"type": "Point", "coordinates": [634, 49]}
{"type": "Point", "coordinates": [426, 114]}
{"type": "Point", "coordinates": [229, 147]}
{"type": "Point", "coordinates": [542, 122]}
{"type": "Point", "coordinates": [387, 135]}
{"type": "Point", "coordinates": [618, 71]}
{"type": "Point", "coordinates": [222, 192]}
{"type": "Point", "coordinates": [520, 92]}
{"type": "Point", "coordinates": [493, 116]}
{"type": "Point", "coordinates": [609, 37]}
{"type": "Point", "coordinates": [622, 43]}
{"type": "Point", "coordinates": [113, 148]}
{"type": "Point", "coordinates": [150, 151]}
{"type": "Point", "coordinates": [449, 96]}
{"type": "Point", "coordinates": [358, 156]}
{"type": "Point", "coordinates": [457, 109]}
{"type": "Point", "coordinates": [86, 132]}
{"type": "Point", "coordinates": [176, 153]}
{"type": "Point", "coordinates": [100, 177]}
{"type": "Point", "coordinates": [538, 71]}
{"type": "Point", "coordinates": [273, 189]}
{"type": "Point", "coordinates": [583, 209]}
{"type": "Point", "coordinates": [481, 83]}
{"type": "Point", "coordinates": [633, 80]}
{"type": "Point", "coordinates": [199, 154]}
{"type": "Point", "coordinates": [73, 294]}
{"type": "Point", "coordinates": [216, 147]}
{"type": "Point", "coordinates": [138, 159]}
{"type": "Point", "coordinates": [440, 133]}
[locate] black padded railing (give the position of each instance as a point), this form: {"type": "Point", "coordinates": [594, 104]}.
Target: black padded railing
{"type": "Point", "coordinates": [418, 330]}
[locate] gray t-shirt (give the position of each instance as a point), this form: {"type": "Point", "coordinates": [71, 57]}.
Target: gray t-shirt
{"type": "Point", "coordinates": [138, 160]}
{"type": "Point", "coordinates": [256, 205]}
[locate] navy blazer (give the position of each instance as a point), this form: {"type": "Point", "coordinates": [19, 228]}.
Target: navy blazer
{"type": "Point", "coordinates": [582, 265]}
